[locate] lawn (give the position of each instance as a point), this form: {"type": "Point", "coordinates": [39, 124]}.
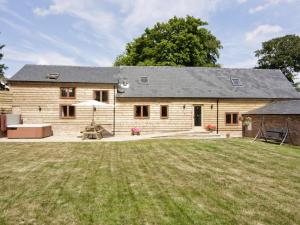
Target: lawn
{"type": "Point", "coordinates": [150, 182]}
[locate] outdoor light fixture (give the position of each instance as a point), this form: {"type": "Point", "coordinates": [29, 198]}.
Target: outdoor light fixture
{"type": "Point", "coordinates": [183, 106]}
{"type": "Point", "coordinates": [40, 108]}
{"type": "Point", "coordinates": [211, 106]}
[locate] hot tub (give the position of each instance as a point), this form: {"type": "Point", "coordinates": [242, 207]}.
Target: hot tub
{"type": "Point", "coordinates": [29, 131]}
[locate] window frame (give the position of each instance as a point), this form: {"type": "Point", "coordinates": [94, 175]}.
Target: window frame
{"type": "Point", "coordinates": [68, 111]}
{"type": "Point", "coordinates": [231, 119]}
{"type": "Point", "coordinates": [94, 95]}
{"type": "Point", "coordinates": [164, 117]}
{"type": "Point", "coordinates": [142, 116]}
{"type": "Point", "coordinates": [68, 93]}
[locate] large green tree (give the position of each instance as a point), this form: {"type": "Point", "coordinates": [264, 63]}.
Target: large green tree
{"type": "Point", "coordinates": [2, 66]}
{"type": "Point", "coordinates": [180, 41]}
{"type": "Point", "coordinates": [281, 53]}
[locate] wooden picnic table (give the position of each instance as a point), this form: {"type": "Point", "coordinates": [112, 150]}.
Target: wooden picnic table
{"type": "Point", "coordinates": [93, 131]}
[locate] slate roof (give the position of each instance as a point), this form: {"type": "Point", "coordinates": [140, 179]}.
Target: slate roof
{"type": "Point", "coordinates": [69, 74]}
{"type": "Point", "coordinates": [200, 82]}
{"type": "Point", "coordinates": [291, 107]}
{"type": "Point", "coordinates": [172, 82]}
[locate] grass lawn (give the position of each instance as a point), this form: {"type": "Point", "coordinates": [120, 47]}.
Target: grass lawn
{"type": "Point", "coordinates": [150, 182]}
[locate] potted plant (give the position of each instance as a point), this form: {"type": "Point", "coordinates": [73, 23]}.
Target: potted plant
{"type": "Point", "coordinates": [136, 131]}
{"type": "Point", "coordinates": [247, 123]}
{"type": "Point", "coordinates": [211, 127]}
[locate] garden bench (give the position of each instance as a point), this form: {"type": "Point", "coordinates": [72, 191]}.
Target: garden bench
{"type": "Point", "coordinates": [276, 134]}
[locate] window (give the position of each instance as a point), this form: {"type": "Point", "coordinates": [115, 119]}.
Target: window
{"type": "Point", "coordinates": [101, 96]}
{"type": "Point", "coordinates": [144, 80]}
{"type": "Point", "coordinates": [164, 112]}
{"type": "Point", "coordinates": [141, 111]}
{"type": "Point", "coordinates": [232, 118]}
{"type": "Point", "coordinates": [67, 92]}
{"type": "Point", "coordinates": [52, 76]}
{"type": "Point", "coordinates": [236, 82]}
{"type": "Point", "coordinates": [67, 111]}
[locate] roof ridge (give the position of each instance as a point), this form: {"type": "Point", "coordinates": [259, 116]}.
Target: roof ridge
{"type": "Point", "coordinates": [153, 67]}
{"type": "Point", "coordinates": [78, 66]}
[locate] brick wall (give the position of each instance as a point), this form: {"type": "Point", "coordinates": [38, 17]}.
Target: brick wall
{"type": "Point", "coordinates": [276, 121]}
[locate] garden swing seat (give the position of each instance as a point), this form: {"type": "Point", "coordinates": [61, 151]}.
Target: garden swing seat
{"type": "Point", "coordinates": [278, 135]}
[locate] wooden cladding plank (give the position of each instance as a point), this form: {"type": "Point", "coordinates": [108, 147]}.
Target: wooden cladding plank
{"type": "Point", "coordinates": [5, 101]}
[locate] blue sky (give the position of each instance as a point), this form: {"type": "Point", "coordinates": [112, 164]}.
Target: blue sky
{"type": "Point", "coordinates": [94, 32]}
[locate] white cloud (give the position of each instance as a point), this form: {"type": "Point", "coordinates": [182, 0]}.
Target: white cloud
{"type": "Point", "coordinates": [43, 58]}
{"type": "Point", "coordinates": [90, 11]}
{"type": "Point", "coordinates": [103, 62]}
{"type": "Point", "coordinates": [242, 1]}
{"type": "Point", "coordinates": [143, 13]}
{"type": "Point", "coordinates": [247, 63]}
{"type": "Point", "coordinates": [268, 3]}
{"type": "Point", "coordinates": [128, 16]}
{"type": "Point", "coordinates": [5, 9]}
{"type": "Point", "coordinates": [97, 22]}
{"type": "Point", "coordinates": [58, 42]}
{"type": "Point", "coordinates": [262, 32]}
{"type": "Point", "coordinates": [15, 26]}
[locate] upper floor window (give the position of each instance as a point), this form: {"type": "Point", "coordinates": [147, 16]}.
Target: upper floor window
{"type": "Point", "coordinates": [141, 111]}
{"type": "Point", "coordinates": [232, 118]}
{"type": "Point", "coordinates": [67, 92]}
{"type": "Point", "coordinates": [164, 111]}
{"type": "Point", "coordinates": [101, 96]}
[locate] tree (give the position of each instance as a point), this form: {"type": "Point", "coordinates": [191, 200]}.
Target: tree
{"type": "Point", "coordinates": [281, 53]}
{"type": "Point", "coordinates": [297, 86]}
{"type": "Point", "coordinates": [180, 41]}
{"type": "Point", "coordinates": [2, 66]}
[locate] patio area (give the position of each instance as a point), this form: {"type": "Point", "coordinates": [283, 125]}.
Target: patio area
{"type": "Point", "coordinates": [118, 138]}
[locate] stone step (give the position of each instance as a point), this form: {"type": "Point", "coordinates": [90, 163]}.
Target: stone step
{"type": "Point", "coordinates": [190, 135]}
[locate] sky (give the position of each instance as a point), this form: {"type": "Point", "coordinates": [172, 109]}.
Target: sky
{"type": "Point", "coordinates": [94, 32]}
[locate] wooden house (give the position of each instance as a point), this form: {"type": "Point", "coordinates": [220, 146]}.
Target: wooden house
{"type": "Point", "coordinates": [155, 99]}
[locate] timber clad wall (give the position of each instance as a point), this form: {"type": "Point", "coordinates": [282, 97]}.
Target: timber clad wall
{"type": "Point", "coordinates": [240, 106]}
{"type": "Point", "coordinates": [277, 121]}
{"type": "Point", "coordinates": [180, 113]}
{"type": "Point", "coordinates": [27, 98]}
{"type": "Point", "coordinates": [5, 101]}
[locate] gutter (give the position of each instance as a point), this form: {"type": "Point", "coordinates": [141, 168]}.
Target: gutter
{"type": "Point", "coordinates": [217, 116]}
{"type": "Point", "coordinates": [114, 116]}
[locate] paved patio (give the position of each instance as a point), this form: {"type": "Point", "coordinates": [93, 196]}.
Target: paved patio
{"type": "Point", "coordinates": [170, 135]}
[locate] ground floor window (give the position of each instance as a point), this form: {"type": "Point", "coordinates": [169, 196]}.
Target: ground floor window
{"type": "Point", "coordinates": [232, 118]}
{"type": "Point", "coordinates": [101, 96]}
{"type": "Point", "coordinates": [164, 112]}
{"type": "Point", "coordinates": [67, 111]}
{"type": "Point", "coordinates": [141, 111]}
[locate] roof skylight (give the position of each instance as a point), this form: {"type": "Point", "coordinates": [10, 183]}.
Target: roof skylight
{"type": "Point", "coordinates": [144, 80]}
{"type": "Point", "coordinates": [236, 82]}
{"type": "Point", "coordinates": [53, 76]}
